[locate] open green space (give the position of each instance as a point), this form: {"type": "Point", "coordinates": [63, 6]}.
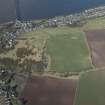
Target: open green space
{"type": "Point", "coordinates": [66, 47]}
{"type": "Point", "coordinates": [97, 23]}
{"type": "Point", "coordinates": [68, 51]}
{"type": "Point", "coordinates": [91, 90]}
{"type": "Point", "coordinates": [27, 51]}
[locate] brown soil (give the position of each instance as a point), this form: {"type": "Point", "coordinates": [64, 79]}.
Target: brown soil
{"type": "Point", "coordinates": [96, 41]}
{"type": "Point", "coordinates": [49, 91]}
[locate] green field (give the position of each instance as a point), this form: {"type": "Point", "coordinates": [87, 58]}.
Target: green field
{"type": "Point", "coordinates": [91, 90]}
{"type": "Point", "coordinates": [68, 51]}
{"type": "Point", "coordinates": [66, 46]}
{"type": "Point", "coordinates": [97, 23]}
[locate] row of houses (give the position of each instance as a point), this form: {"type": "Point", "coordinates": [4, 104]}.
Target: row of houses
{"type": "Point", "coordinates": [78, 17]}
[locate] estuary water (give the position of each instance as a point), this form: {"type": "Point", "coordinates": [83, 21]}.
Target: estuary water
{"type": "Point", "coordinates": [7, 10]}
{"type": "Point", "coordinates": [37, 9]}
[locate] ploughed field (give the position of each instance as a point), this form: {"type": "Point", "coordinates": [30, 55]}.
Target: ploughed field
{"type": "Point", "coordinates": [96, 41]}
{"type": "Point", "coordinates": [91, 89]}
{"type": "Point", "coordinates": [49, 91]}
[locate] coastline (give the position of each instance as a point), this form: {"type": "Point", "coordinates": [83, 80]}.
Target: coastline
{"type": "Point", "coordinates": [76, 19]}
{"type": "Point", "coordinates": [72, 20]}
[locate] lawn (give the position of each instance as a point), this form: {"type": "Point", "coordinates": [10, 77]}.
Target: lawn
{"type": "Point", "coordinates": [68, 51]}
{"type": "Point", "coordinates": [91, 90]}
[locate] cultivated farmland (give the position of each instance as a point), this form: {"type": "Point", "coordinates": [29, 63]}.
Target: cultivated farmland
{"type": "Point", "coordinates": [91, 90]}
{"type": "Point", "coordinates": [49, 91]}
{"type": "Point", "coordinates": [96, 41]}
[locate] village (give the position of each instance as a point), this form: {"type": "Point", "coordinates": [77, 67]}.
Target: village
{"type": "Point", "coordinates": [8, 87]}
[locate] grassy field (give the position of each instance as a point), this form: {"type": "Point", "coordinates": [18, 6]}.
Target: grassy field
{"type": "Point", "coordinates": [91, 90]}
{"type": "Point", "coordinates": [26, 52]}
{"type": "Point", "coordinates": [66, 47]}
{"type": "Point", "coordinates": [98, 23]}
{"type": "Point", "coordinates": [35, 39]}
{"type": "Point", "coordinates": [68, 51]}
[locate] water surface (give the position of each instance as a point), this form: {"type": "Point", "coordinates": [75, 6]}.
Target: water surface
{"type": "Point", "coordinates": [35, 9]}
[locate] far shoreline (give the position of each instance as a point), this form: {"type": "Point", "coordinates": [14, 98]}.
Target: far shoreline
{"type": "Point", "coordinates": [53, 17]}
